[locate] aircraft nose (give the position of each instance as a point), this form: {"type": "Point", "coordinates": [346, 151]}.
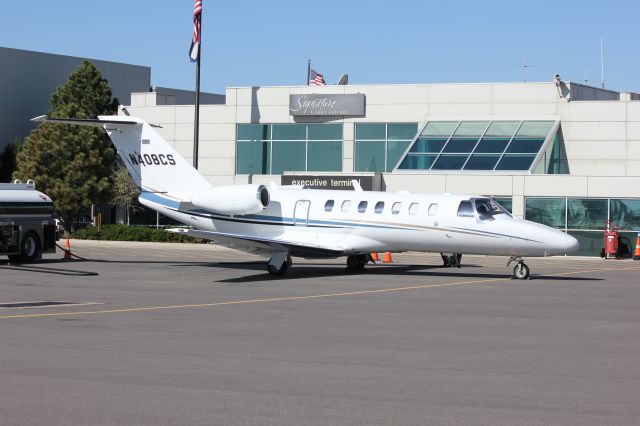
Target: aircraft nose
{"type": "Point", "coordinates": [564, 243]}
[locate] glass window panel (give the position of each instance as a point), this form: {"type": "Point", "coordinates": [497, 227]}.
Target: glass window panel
{"type": "Point", "coordinates": [324, 156]}
{"type": "Point", "coordinates": [465, 209]}
{"type": "Point", "coordinates": [395, 149]}
{"type": "Point", "coordinates": [370, 156]}
{"type": "Point", "coordinates": [439, 128]}
{"type": "Point", "coordinates": [362, 206]}
{"type": "Point", "coordinates": [450, 162]}
{"type": "Point", "coordinates": [413, 208]}
{"type": "Point", "coordinates": [428, 145]}
{"type": "Point", "coordinates": [396, 207]}
{"type": "Point", "coordinates": [371, 131]}
{"type": "Point", "coordinates": [586, 213]}
{"type": "Point", "coordinates": [417, 162]}
{"type": "Point", "coordinates": [515, 162]}
{"type": "Point", "coordinates": [288, 156]}
{"type": "Point", "coordinates": [506, 202]}
{"type": "Point", "coordinates": [252, 158]}
{"type": "Point", "coordinates": [328, 206]}
{"type": "Point", "coordinates": [346, 206]}
{"type": "Point", "coordinates": [548, 211]}
{"type": "Point", "coordinates": [504, 129]}
{"type": "Point", "coordinates": [379, 207]}
{"type": "Point", "coordinates": [519, 145]}
{"type": "Point", "coordinates": [535, 128]}
{"type": "Point", "coordinates": [625, 213]}
{"type": "Point", "coordinates": [289, 132]}
{"type": "Point", "coordinates": [492, 145]}
{"type": "Point", "coordinates": [471, 128]}
{"type": "Point", "coordinates": [401, 131]}
{"type": "Point", "coordinates": [460, 145]}
{"type": "Point", "coordinates": [253, 132]}
{"type": "Point", "coordinates": [433, 209]}
{"type": "Point", "coordinates": [325, 132]}
{"type": "Point", "coordinates": [590, 242]}
{"type": "Point", "coordinates": [481, 162]}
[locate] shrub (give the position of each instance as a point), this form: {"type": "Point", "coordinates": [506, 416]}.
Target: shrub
{"type": "Point", "coordinates": [132, 233]}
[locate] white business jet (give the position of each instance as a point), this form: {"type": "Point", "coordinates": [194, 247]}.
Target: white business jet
{"type": "Point", "coordinates": [281, 222]}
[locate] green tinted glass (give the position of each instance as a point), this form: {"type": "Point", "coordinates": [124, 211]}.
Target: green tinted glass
{"type": "Point", "coordinates": [323, 132]}
{"type": "Point", "coordinates": [519, 145]}
{"type": "Point", "coordinates": [590, 242]}
{"type": "Point", "coordinates": [515, 162]}
{"type": "Point", "coordinates": [439, 128]}
{"type": "Point", "coordinates": [288, 156]}
{"type": "Point", "coordinates": [471, 128]}
{"type": "Point", "coordinates": [586, 213]}
{"type": "Point", "coordinates": [460, 145]}
{"type": "Point", "coordinates": [504, 129]}
{"type": "Point", "coordinates": [506, 202]}
{"type": "Point", "coordinates": [252, 158]}
{"type": "Point", "coordinates": [625, 213]}
{"type": "Point", "coordinates": [481, 162]}
{"type": "Point", "coordinates": [395, 149]}
{"type": "Point", "coordinates": [370, 156]}
{"type": "Point", "coordinates": [492, 145]}
{"type": "Point", "coordinates": [548, 211]}
{"type": "Point", "coordinates": [417, 162]}
{"type": "Point", "coordinates": [253, 132]}
{"type": "Point", "coordinates": [450, 162]}
{"type": "Point", "coordinates": [324, 156]}
{"type": "Point", "coordinates": [401, 131]}
{"type": "Point", "coordinates": [535, 129]}
{"type": "Point", "coordinates": [289, 132]}
{"type": "Point", "coordinates": [371, 131]}
{"type": "Point", "coordinates": [429, 145]}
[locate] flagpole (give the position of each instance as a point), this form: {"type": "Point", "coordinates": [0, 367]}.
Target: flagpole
{"type": "Point", "coordinates": [308, 70]}
{"type": "Point", "coordinates": [196, 120]}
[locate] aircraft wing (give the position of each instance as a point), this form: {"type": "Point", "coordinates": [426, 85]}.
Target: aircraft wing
{"type": "Point", "coordinates": [256, 244]}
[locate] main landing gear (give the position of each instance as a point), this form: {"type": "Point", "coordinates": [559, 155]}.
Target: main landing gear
{"type": "Point", "coordinates": [279, 264]}
{"type": "Point", "coordinates": [357, 262]}
{"type": "Point", "coordinates": [521, 270]}
{"type": "Point", "coordinates": [449, 260]}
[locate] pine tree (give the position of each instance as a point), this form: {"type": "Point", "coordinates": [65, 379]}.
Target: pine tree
{"type": "Point", "coordinates": [72, 164]}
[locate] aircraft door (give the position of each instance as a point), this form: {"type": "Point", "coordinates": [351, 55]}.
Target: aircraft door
{"type": "Point", "coordinates": [301, 212]}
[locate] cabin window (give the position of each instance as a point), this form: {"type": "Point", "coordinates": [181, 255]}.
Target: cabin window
{"type": "Point", "coordinates": [346, 206]}
{"type": "Point", "coordinates": [413, 208]}
{"type": "Point", "coordinates": [379, 207]}
{"type": "Point", "coordinates": [362, 207]}
{"type": "Point", "coordinates": [465, 209]}
{"type": "Point", "coordinates": [433, 209]}
{"type": "Point", "coordinates": [328, 206]}
{"type": "Point", "coordinates": [396, 207]}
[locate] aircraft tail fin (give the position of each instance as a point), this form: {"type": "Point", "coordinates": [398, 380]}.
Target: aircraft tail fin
{"type": "Point", "coordinates": [154, 164]}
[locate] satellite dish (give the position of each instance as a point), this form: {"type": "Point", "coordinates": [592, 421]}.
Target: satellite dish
{"type": "Point", "coordinates": [343, 80]}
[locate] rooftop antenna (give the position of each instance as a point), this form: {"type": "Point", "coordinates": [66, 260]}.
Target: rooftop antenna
{"type": "Point", "coordinates": [601, 64]}
{"type": "Point", "coordinates": [525, 68]}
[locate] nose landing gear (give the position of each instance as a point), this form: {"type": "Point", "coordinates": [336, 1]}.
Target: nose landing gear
{"type": "Point", "coordinates": [521, 270]}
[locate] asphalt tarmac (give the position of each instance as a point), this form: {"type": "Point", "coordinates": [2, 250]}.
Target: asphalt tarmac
{"type": "Point", "coordinates": [197, 335]}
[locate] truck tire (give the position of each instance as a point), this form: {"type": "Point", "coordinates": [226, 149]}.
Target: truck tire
{"type": "Point", "coordinates": [29, 248]}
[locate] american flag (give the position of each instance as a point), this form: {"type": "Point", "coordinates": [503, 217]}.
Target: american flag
{"type": "Point", "coordinates": [316, 79]}
{"type": "Point", "coordinates": [194, 52]}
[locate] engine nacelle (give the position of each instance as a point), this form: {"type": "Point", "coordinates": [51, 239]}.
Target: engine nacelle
{"type": "Point", "coordinates": [233, 199]}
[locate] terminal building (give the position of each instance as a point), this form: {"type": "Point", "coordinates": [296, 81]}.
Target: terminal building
{"type": "Point", "coordinates": [559, 153]}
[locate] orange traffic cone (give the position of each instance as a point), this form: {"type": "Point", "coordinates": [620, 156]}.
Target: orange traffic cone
{"type": "Point", "coordinates": [375, 257]}
{"type": "Point", "coordinates": [387, 257]}
{"type": "Point", "coordinates": [67, 250]}
{"type": "Point", "coordinates": [636, 253]}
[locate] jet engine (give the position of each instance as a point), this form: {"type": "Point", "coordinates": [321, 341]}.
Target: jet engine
{"type": "Point", "coordinates": [233, 199]}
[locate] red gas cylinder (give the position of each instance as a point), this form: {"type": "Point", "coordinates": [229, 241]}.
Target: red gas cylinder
{"type": "Point", "coordinates": [610, 241]}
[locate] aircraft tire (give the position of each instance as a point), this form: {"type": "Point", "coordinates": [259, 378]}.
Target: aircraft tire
{"type": "Point", "coordinates": [445, 260]}
{"type": "Point", "coordinates": [521, 271]}
{"type": "Point", "coordinates": [357, 263]}
{"type": "Point", "coordinates": [278, 272]}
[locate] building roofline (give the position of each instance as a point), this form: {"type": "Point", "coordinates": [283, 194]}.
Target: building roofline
{"type": "Point", "coordinates": [74, 57]}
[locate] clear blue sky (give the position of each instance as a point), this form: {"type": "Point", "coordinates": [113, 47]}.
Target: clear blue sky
{"type": "Point", "coordinates": [395, 41]}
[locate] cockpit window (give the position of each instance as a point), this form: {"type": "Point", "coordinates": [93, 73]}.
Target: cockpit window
{"type": "Point", "coordinates": [488, 208]}
{"type": "Point", "coordinates": [465, 209]}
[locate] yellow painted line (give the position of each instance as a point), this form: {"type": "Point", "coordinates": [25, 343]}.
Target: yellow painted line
{"type": "Point", "coordinates": [294, 298]}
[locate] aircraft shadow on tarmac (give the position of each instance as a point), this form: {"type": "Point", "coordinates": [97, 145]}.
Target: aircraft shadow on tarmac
{"type": "Point", "coordinates": [47, 270]}
{"type": "Point", "coordinates": [319, 270]}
